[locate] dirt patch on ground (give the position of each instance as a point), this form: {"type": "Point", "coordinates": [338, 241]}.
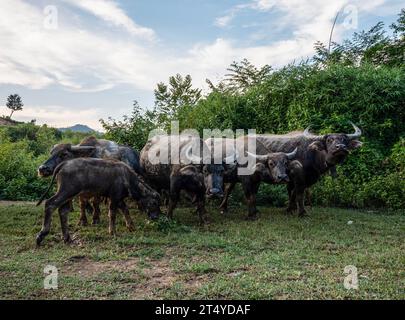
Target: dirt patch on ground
{"type": "Point", "coordinates": [148, 277]}
{"type": "Point", "coordinates": [84, 267]}
{"type": "Point", "coordinates": [145, 279]}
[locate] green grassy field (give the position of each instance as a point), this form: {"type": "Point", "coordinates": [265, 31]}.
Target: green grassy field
{"type": "Point", "coordinates": [276, 257]}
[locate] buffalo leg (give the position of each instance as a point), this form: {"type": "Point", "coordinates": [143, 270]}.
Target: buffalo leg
{"type": "Point", "coordinates": [173, 199]}
{"type": "Point", "coordinates": [50, 206]}
{"type": "Point", "coordinates": [224, 204]}
{"type": "Point", "coordinates": [63, 215]}
{"type": "Point", "coordinates": [128, 221]}
{"type": "Point", "coordinates": [83, 204]}
{"type": "Point", "coordinates": [112, 214]}
{"type": "Point", "coordinates": [300, 199]}
{"type": "Point", "coordinates": [250, 189]}
{"type": "Point", "coordinates": [174, 196]}
{"type": "Point", "coordinates": [202, 213]}
{"type": "Point", "coordinates": [96, 210]}
{"type": "Point", "coordinates": [292, 202]}
{"type": "Point", "coordinates": [308, 197]}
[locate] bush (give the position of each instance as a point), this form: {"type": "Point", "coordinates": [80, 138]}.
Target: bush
{"type": "Point", "coordinates": [18, 172]}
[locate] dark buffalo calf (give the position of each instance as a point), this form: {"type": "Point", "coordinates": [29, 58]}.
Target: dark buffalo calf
{"type": "Point", "coordinates": [90, 147]}
{"type": "Point", "coordinates": [97, 177]}
{"type": "Point", "coordinates": [304, 174]}
{"type": "Point", "coordinates": [267, 167]}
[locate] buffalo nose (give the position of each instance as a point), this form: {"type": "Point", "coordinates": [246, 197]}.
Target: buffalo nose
{"type": "Point", "coordinates": [283, 177]}
{"type": "Point", "coordinates": [43, 169]}
{"type": "Point", "coordinates": [215, 190]}
{"type": "Point", "coordinates": [154, 215]}
{"type": "Point", "coordinates": [340, 146]}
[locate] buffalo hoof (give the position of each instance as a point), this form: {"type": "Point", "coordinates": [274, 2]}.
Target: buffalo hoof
{"type": "Point", "coordinates": [39, 240]}
{"type": "Point", "coordinates": [82, 222]}
{"type": "Point", "coordinates": [131, 228]}
{"type": "Point", "coordinates": [205, 221]}
{"type": "Point", "coordinates": [67, 239]}
{"type": "Point", "coordinates": [303, 214]}
{"type": "Point", "coordinates": [40, 237]}
{"type": "Point", "coordinates": [289, 211]}
{"type": "Point", "coordinates": [252, 218]}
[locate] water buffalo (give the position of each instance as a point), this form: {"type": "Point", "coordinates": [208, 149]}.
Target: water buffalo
{"type": "Point", "coordinates": [304, 174]}
{"type": "Point", "coordinates": [111, 179]}
{"type": "Point", "coordinates": [93, 148]}
{"type": "Point", "coordinates": [335, 148]}
{"type": "Point", "coordinates": [267, 167]}
{"type": "Point", "coordinates": [182, 162]}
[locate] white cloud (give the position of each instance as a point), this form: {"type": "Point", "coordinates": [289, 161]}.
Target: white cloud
{"type": "Point", "coordinates": [76, 59]}
{"type": "Point", "coordinates": [59, 116]}
{"type": "Point", "coordinates": [87, 60]}
{"type": "Point", "coordinates": [111, 12]}
{"type": "Point", "coordinates": [263, 5]}
{"type": "Point", "coordinates": [223, 21]}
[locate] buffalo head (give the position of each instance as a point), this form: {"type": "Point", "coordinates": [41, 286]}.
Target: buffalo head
{"type": "Point", "coordinates": [63, 152]}
{"type": "Point", "coordinates": [337, 145]}
{"type": "Point", "coordinates": [274, 166]}
{"type": "Point", "coordinates": [151, 205]}
{"type": "Point", "coordinates": [212, 171]}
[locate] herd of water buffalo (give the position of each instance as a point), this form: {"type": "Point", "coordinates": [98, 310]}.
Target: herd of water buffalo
{"type": "Point", "coordinates": [98, 169]}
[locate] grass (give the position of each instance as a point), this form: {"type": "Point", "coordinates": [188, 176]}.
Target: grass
{"type": "Point", "coordinates": [276, 257]}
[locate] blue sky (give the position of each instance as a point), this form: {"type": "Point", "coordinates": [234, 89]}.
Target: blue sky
{"type": "Point", "coordinates": [76, 61]}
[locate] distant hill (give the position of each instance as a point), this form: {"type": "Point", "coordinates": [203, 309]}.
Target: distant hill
{"type": "Point", "coordinates": [78, 128]}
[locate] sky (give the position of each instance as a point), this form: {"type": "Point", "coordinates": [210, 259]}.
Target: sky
{"type": "Point", "coordinates": [77, 61]}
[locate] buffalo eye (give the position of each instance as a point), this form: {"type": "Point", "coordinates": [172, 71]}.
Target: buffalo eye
{"type": "Point", "coordinates": [271, 163]}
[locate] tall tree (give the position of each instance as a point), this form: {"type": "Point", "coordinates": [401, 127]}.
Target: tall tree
{"type": "Point", "coordinates": [175, 98]}
{"type": "Point", "coordinates": [372, 46]}
{"type": "Point", "coordinates": [14, 103]}
{"type": "Point", "coordinates": [241, 76]}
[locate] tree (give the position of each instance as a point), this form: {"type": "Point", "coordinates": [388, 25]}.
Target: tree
{"type": "Point", "coordinates": [372, 46]}
{"type": "Point", "coordinates": [241, 76]}
{"type": "Point", "coordinates": [133, 130]}
{"type": "Point", "coordinates": [175, 99]}
{"type": "Point", "coordinates": [14, 103]}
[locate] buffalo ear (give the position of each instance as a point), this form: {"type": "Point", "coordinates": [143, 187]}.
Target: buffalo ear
{"type": "Point", "coordinates": [261, 169]}
{"type": "Point", "coordinates": [355, 144]}
{"type": "Point", "coordinates": [317, 146]}
{"type": "Point", "coordinates": [189, 170]}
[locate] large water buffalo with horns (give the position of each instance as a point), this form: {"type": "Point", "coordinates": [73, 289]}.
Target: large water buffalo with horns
{"type": "Point", "coordinates": [332, 147]}
{"type": "Point", "coordinates": [182, 162]}
{"type": "Point", "coordinates": [112, 179]}
{"type": "Point", "coordinates": [89, 147]}
{"type": "Point", "coordinates": [263, 166]}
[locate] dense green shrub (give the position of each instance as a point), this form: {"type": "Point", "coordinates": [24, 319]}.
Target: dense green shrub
{"type": "Point", "coordinates": [18, 172]}
{"type": "Point", "coordinates": [39, 139]}
{"type": "Point", "coordinates": [23, 148]}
